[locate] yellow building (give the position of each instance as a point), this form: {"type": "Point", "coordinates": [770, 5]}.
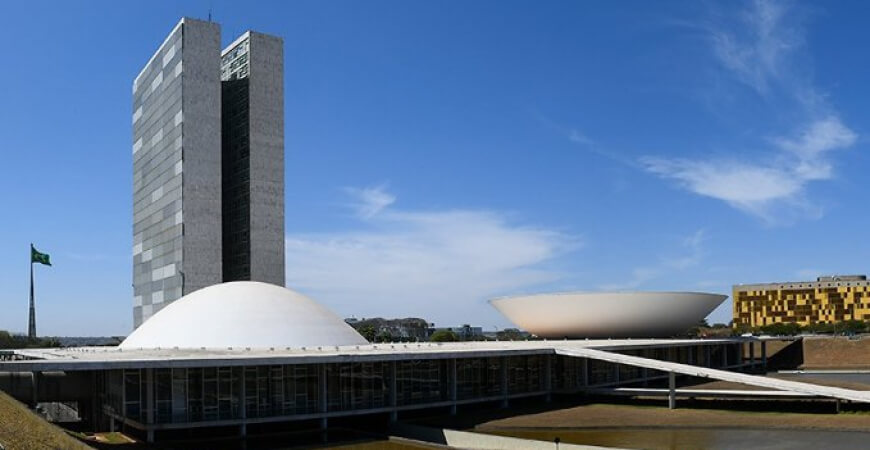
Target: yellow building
{"type": "Point", "coordinates": [829, 299]}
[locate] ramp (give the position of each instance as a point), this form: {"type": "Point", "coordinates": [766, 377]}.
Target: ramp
{"type": "Point", "coordinates": [714, 393]}
{"type": "Point", "coordinates": [717, 374]}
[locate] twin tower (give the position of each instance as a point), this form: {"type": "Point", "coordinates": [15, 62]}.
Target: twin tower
{"type": "Point", "coordinates": [208, 165]}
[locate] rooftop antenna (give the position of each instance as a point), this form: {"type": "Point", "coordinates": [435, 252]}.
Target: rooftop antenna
{"type": "Point", "coordinates": [210, 4]}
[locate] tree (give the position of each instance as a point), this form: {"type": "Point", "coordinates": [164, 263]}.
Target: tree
{"type": "Point", "coordinates": [851, 327]}
{"type": "Point", "coordinates": [820, 328]}
{"type": "Point", "coordinates": [444, 336]}
{"type": "Point", "coordinates": [740, 329]}
{"type": "Point", "coordinates": [384, 336]}
{"type": "Point", "coordinates": [368, 332]}
{"type": "Point", "coordinates": [8, 340]}
{"type": "Point", "coordinates": [781, 329]}
{"type": "Point", "coordinates": [509, 334]}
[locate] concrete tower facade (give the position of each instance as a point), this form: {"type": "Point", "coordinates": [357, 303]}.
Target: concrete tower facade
{"type": "Point", "coordinates": [208, 194]}
{"type": "Point", "coordinates": [252, 74]}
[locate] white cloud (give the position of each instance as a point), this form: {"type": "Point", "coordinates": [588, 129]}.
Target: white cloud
{"type": "Point", "coordinates": [579, 138]}
{"type": "Point", "coordinates": [371, 200]}
{"type": "Point", "coordinates": [822, 136]}
{"type": "Point", "coordinates": [439, 265]}
{"type": "Point", "coordinates": [812, 144]}
{"type": "Point", "coordinates": [742, 185]}
{"type": "Point", "coordinates": [692, 254]}
{"type": "Point", "coordinates": [757, 51]}
{"type": "Point", "coordinates": [760, 187]}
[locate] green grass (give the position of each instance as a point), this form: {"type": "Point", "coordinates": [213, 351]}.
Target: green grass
{"type": "Point", "coordinates": [21, 429]}
{"type": "Point", "coordinates": [113, 438]}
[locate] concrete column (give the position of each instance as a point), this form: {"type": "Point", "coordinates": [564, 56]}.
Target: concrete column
{"type": "Point", "coordinates": [149, 405]}
{"type": "Point", "coordinates": [96, 408]}
{"type": "Point", "coordinates": [123, 411]}
{"type": "Point", "coordinates": [323, 401]}
{"type": "Point", "coordinates": [243, 409]}
{"type": "Point", "coordinates": [548, 377]}
{"type": "Point", "coordinates": [584, 372]}
{"type": "Point", "coordinates": [324, 389]}
{"type": "Point", "coordinates": [454, 383]}
{"type": "Point", "coordinates": [394, 401]}
{"type": "Point", "coordinates": [724, 348]}
{"type": "Point", "coordinates": [752, 353]}
{"type": "Point", "coordinates": [691, 355]}
{"type": "Point", "coordinates": [644, 373]}
{"type": "Point", "coordinates": [708, 356]}
{"type": "Point", "coordinates": [672, 390]}
{"type": "Point", "coordinates": [739, 349]}
{"type": "Point", "coordinates": [34, 393]}
{"type": "Point", "coordinates": [616, 373]}
{"type": "Point", "coordinates": [764, 355]}
{"type": "Point", "coordinates": [504, 381]}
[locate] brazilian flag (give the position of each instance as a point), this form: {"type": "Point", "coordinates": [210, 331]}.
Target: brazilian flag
{"type": "Point", "coordinates": [36, 257]}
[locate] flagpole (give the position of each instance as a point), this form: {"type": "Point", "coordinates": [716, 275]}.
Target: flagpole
{"type": "Point", "coordinates": [31, 327]}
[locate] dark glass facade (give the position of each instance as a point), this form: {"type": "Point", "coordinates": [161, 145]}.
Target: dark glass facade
{"type": "Point", "coordinates": [236, 173]}
{"type": "Point", "coordinates": [422, 381]}
{"type": "Point", "coordinates": [285, 392]}
{"type": "Point", "coordinates": [209, 394]}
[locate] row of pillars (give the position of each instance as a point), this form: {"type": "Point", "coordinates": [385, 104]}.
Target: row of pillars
{"type": "Point", "coordinates": [323, 406]}
{"type": "Point", "coordinates": [763, 353]}
{"type": "Point", "coordinates": [672, 376]}
{"type": "Point", "coordinates": [453, 394]}
{"type": "Point", "coordinates": [323, 399]}
{"type": "Point", "coordinates": [707, 362]}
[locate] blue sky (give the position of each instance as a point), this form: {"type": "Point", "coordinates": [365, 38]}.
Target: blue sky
{"type": "Point", "coordinates": [443, 153]}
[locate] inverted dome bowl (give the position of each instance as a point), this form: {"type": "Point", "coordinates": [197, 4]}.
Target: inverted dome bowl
{"type": "Point", "coordinates": [608, 314]}
{"type": "Point", "coordinates": [243, 314]}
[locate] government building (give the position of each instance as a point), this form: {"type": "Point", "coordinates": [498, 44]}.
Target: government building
{"type": "Point", "coordinates": [222, 348]}
{"type": "Point", "coordinates": [829, 299]}
{"type": "Point", "coordinates": [270, 359]}
{"type": "Point", "coordinates": [208, 165]}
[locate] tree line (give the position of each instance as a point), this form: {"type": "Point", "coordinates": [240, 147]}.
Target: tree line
{"type": "Point", "coordinates": [9, 340]}
{"type": "Point", "coordinates": [845, 327]}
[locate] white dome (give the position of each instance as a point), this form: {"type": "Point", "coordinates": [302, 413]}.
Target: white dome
{"type": "Point", "coordinates": [608, 314]}
{"type": "Point", "coordinates": [242, 314]}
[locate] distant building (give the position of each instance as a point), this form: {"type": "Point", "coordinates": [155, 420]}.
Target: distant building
{"type": "Point", "coordinates": [574, 315]}
{"type": "Point", "coordinates": [829, 299]}
{"type": "Point", "coordinates": [208, 165]}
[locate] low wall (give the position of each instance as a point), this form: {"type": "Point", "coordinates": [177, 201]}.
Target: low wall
{"type": "Point", "coordinates": [816, 352]}
{"type": "Point", "coordinates": [836, 352]}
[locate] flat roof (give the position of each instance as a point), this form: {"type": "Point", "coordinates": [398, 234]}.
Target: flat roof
{"type": "Point", "coordinates": [786, 285]}
{"type": "Point", "coordinates": [104, 358]}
